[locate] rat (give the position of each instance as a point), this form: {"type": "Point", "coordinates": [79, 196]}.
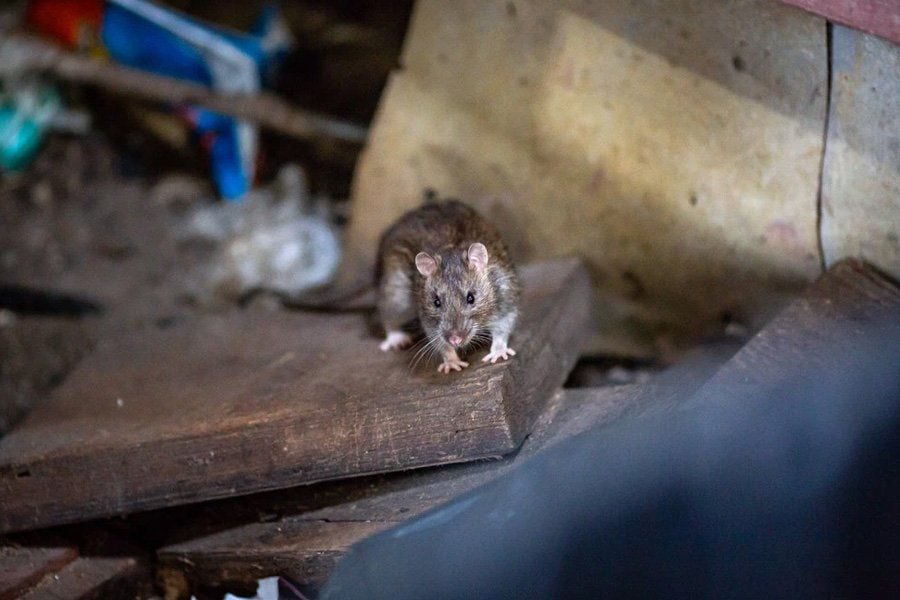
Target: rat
{"type": "Point", "coordinates": [446, 265]}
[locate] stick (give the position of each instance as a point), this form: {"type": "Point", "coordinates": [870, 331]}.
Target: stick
{"type": "Point", "coordinates": [22, 53]}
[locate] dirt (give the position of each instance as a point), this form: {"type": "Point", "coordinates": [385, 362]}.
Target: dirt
{"type": "Point", "coordinates": [98, 216]}
{"type": "Point", "coordinates": [74, 223]}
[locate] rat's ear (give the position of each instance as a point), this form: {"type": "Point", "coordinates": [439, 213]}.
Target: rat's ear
{"type": "Point", "coordinates": [478, 257]}
{"type": "Point", "coordinates": [426, 264]}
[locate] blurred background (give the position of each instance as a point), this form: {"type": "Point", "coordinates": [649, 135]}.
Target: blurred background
{"type": "Point", "coordinates": [137, 209]}
{"type": "Point", "coordinates": [707, 161]}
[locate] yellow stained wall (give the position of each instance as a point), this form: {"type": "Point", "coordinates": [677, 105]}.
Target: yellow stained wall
{"type": "Point", "coordinates": [675, 145]}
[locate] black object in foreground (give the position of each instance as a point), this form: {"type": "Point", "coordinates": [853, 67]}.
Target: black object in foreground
{"type": "Point", "coordinates": [789, 489]}
{"type": "Point", "coordinates": [29, 301]}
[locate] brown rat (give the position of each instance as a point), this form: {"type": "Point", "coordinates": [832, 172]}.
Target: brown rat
{"type": "Point", "coordinates": [447, 266]}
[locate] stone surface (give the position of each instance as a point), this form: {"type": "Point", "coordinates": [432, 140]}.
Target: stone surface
{"type": "Point", "coordinates": [861, 179]}
{"type": "Point", "coordinates": [675, 145]}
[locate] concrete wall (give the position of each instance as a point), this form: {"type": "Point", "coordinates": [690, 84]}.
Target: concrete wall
{"type": "Point", "coordinates": [676, 145]}
{"type": "Point", "coordinates": [861, 177]}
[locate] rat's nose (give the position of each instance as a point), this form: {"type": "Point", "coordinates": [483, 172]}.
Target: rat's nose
{"type": "Point", "coordinates": [454, 339]}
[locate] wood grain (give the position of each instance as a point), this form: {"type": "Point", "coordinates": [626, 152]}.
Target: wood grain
{"type": "Point", "coordinates": [21, 567]}
{"type": "Point", "coordinates": [248, 401]}
{"type": "Point", "coordinates": [41, 565]}
{"type": "Point", "coordinates": [845, 306]}
{"type": "Point", "coordinates": [86, 578]}
{"type": "Point", "coordinates": [306, 544]}
{"type": "Point", "coordinates": [303, 532]}
{"type": "Point", "coordinates": [841, 308]}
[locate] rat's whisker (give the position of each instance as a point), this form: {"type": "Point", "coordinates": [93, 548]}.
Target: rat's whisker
{"type": "Point", "coordinates": [419, 354]}
{"type": "Point", "coordinates": [480, 342]}
{"type": "Point", "coordinates": [428, 347]}
{"type": "Point", "coordinates": [417, 345]}
{"type": "Point", "coordinates": [432, 348]}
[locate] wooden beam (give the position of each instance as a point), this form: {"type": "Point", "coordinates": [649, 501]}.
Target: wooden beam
{"type": "Point", "coordinates": [790, 449]}
{"type": "Point", "coordinates": [307, 545]}
{"type": "Point", "coordinates": [38, 566]}
{"type": "Point", "coordinates": [89, 577]}
{"type": "Point", "coordinates": [23, 567]}
{"type": "Point", "coordinates": [842, 308]}
{"type": "Point", "coordinates": [236, 542]}
{"type": "Point", "coordinates": [248, 401]}
{"type": "Point", "coordinates": [829, 315]}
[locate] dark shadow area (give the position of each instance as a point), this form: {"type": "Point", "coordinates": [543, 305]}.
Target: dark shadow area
{"type": "Point", "coordinates": [771, 490]}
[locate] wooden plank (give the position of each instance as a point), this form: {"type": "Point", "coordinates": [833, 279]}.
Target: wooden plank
{"type": "Point", "coordinates": [40, 566]}
{"type": "Point", "coordinates": [843, 308]}
{"type": "Point", "coordinates": [796, 457]}
{"type": "Point", "coordinates": [316, 525]}
{"type": "Point", "coordinates": [840, 309]}
{"type": "Point", "coordinates": [21, 566]}
{"type": "Point", "coordinates": [306, 545]}
{"type": "Point", "coordinates": [88, 577]}
{"type": "Point", "coordinates": [881, 17]}
{"type": "Point", "coordinates": [307, 550]}
{"type": "Point", "coordinates": [256, 400]}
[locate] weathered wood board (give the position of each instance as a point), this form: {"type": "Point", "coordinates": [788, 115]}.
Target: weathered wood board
{"type": "Point", "coordinates": [675, 145]}
{"type": "Point", "coordinates": [39, 568]}
{"type": "Point", "coordinates": [22, 567]}
{"type": "Point", "coordinates": [304, 534]}
{"type": "Point", "coordinates": [799, 464]}
{"type": "Point", "coordinates": [861, 171]}
{"type": "Point", "coordinates": [310, 533]}
{"type": "Point", "coordinates": [307, 544]}
{"type": "Point", "coordinates": [257, 400]}
{"type": "Point", "coordinates": [85, 578]}
{"type": "Point", "coordinates": [849, 304]}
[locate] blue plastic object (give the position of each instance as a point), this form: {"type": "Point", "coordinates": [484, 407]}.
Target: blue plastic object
{"type": "Point", "coordinates": [147, 36]}
{"type": "Point", "coordinates": [221, 135]}
{"type": "Point", "coordinates": [24, 116]}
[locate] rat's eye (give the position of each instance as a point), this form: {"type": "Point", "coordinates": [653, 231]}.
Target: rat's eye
{"type": "Point", "coordinates": [437, 302]}
{"type": "Point", "coordinates": [470, 298]}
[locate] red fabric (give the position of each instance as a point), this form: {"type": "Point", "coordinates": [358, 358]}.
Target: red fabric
{"type": "Point", "coordinates": [70, 22]}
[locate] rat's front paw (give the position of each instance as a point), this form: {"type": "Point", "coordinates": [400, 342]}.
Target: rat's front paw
{"type": "Point", "coordinates": [395, 340]}
{"type": "Point", "coordinates": [503, 353]}
{"type": "Point", "coordinates": [452, 364]}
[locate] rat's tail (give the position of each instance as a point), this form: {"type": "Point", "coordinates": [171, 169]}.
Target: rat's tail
{"type": "Point", "coordinates": [355, 296]}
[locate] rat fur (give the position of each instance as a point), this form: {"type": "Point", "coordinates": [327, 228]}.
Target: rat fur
{"type": "Point", "coordinates": [446, 266]}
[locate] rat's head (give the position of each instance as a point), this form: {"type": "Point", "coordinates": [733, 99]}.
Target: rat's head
{"type": "Point", "coordinates": [457, 298]}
